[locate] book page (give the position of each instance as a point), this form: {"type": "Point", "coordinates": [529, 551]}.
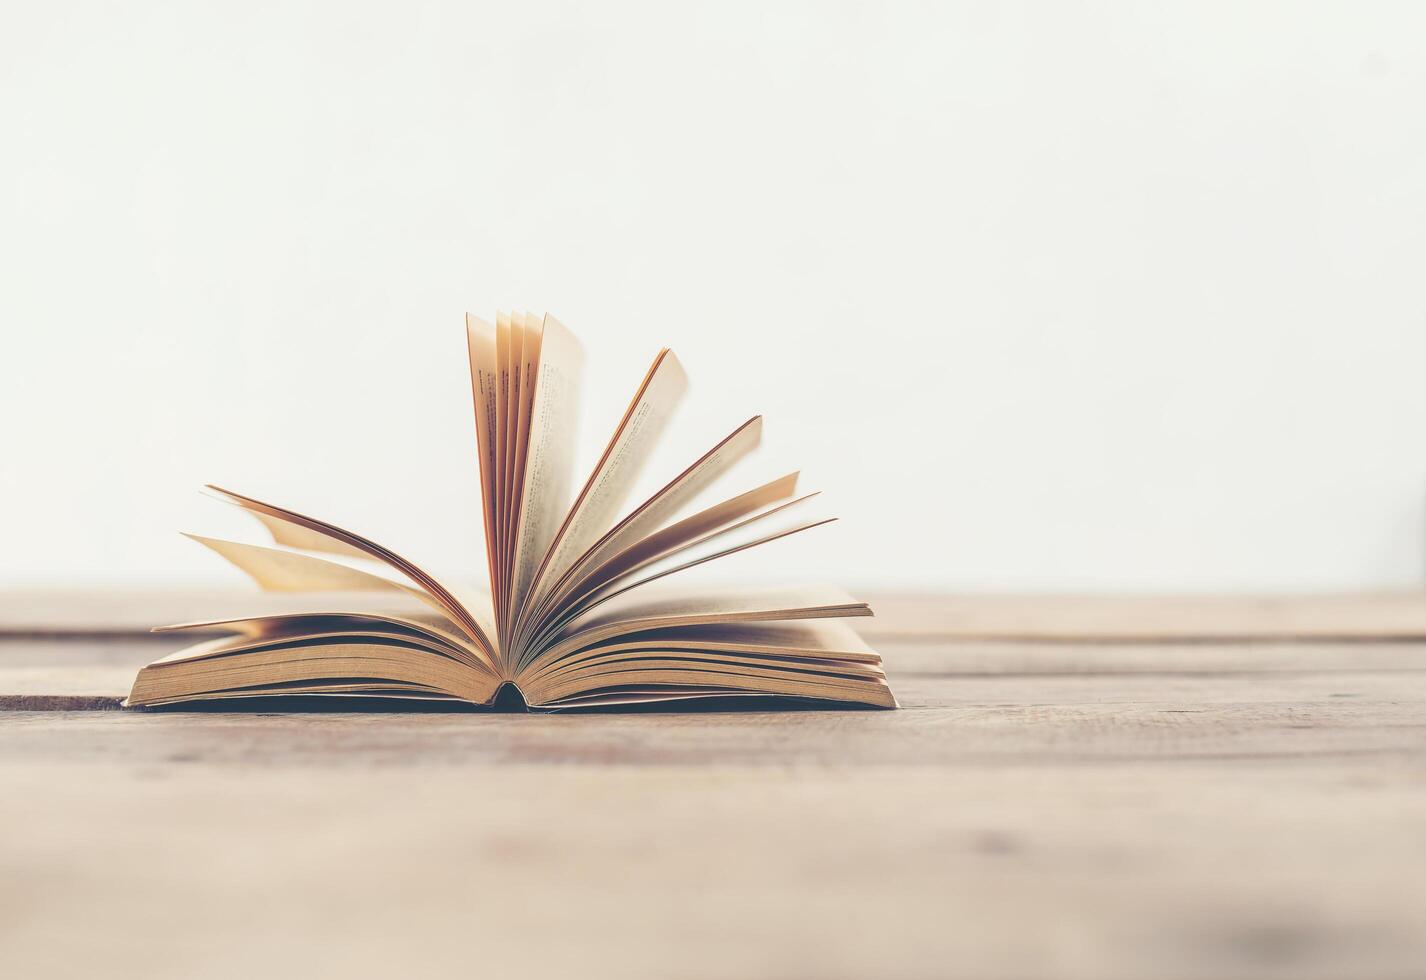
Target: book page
{"type": "Point", "coordinates": [549, 457]}
{"type": "Point", "coordinates": [370, 663]}
{"type": "Point", "coordinates": [652, 513]}
{"type": "Point", "coordinates": [484, 379]}
{"type": "Point", "coordinates": [296, 536]}
{"type": "Point", "coordinates": [502, 408]}
{"type": "Point", "coordinates": [725, 678]}
{"type": "Point", "coordinates": [691, 557]}
{"type": "Point", "coordinates": [512, 426]}
{"type": "Point", "coordinates": [286, 571]}
{"type": "Point", "coordinates": [307, 631]}
{"type": "Point", "coordinates": [614, 475]}
{"type": "Point", "coordinates": [368, 613]}
{"type": "Point", "coordinates": [526, 374]}
{"type": "Point", "coordinates": [692, 528]}
{"type": "Point", "coordinates": [828, 640]}
{"type": "Point", "coordinates": [639, 566]}
{"type": "Point", "coordinates": [467, 618]}
{"type": "Point", "coordinates": [660, 605]}
{"type": "Point", "coordinates": [723, 604]}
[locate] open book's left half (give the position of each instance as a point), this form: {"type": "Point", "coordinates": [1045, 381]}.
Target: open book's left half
{"type": "Point", "coordinates": [584, 607]}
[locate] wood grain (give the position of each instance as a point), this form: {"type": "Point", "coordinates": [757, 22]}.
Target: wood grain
{"type": "Point", "coordinates": [1040, 808]}
{"type": "Point", "coordinates": [1387, 615]}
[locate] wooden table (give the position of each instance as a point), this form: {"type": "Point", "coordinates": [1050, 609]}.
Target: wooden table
{"type": "Point", "coordinates": [1089, 788]}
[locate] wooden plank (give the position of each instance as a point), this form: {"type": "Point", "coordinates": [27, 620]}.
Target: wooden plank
{"type": "Point", "coordinates": [94, 673]}
{"type": "Point", "coordinates": [1119, 618]}
{"type": "Point", "coordinates": [951, 658]}
{"type": "Point", "coordinates": [978, 843]}
{"type": "Point", "coordinates": [1400, 615]}
{"type": "Point", "coordinates": [1038, 809]}
{"type": "Point", "coordinates": [116, 613]}
{"type": "Point", "coordinates": [52, 674]}
{"type": "Point", "coordinates": [976, 720]}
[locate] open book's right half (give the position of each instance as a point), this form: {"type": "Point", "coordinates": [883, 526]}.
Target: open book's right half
{"type": "Point", "coordinates": [584, 607]}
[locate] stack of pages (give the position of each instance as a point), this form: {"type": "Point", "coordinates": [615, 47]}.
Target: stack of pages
{"type": "Point", "coordinates": [583, 608]}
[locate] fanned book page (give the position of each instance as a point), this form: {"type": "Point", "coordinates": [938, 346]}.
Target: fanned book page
{"type": "Point", "coordinates": [584, 608]}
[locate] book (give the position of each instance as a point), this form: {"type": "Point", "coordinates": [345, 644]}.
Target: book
{"type": "Point", "coordinates": [583, 608]}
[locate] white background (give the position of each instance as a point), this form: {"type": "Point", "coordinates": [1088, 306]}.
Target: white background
{"type": "Point", "coordinates": [1046, 295]}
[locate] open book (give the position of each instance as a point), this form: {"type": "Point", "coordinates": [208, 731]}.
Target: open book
{"type": "Point", "coordinates": [583, 607]}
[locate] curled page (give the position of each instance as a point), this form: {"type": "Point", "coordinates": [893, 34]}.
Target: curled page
{"type": "Point", "coordinates": [467, 618]}
{"type": "Point", "coordinates": [484, 383]}
{"type": "Point", "coordinates": [647, 517]}
{"type": "Point", "coordinates": [617, 470]}
{"type": "Point", "coordinates": [275, 570]}
{"type": "Point", "coordinates": [549, 453]}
